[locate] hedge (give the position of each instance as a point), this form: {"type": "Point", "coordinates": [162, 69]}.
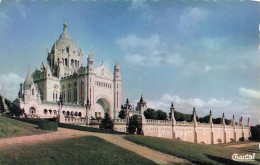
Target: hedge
{"type": "Point", "coordinates": [70, 126]}
{"type": "Point", "coordinates": [89, 129]}
{"type": "Point", "coordinates": [47, 125]}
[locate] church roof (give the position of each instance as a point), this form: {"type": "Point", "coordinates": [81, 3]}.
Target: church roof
{"type": "Point", "coordinates": [28, 81]}
{"type": "Point", "coordinates": [65, 41]}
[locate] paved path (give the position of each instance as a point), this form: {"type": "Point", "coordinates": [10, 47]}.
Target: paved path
{"type": "Point", "coordinates": [118, 140]}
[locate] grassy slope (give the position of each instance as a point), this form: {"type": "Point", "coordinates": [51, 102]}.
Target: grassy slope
{"type": "Point", "coordinates": [197, 153]}
{"type": "Point", "coordinates": [84, 150]}
{"type": "Point", "coordinates": [10, 128]}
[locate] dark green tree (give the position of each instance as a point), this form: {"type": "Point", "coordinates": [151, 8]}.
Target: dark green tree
{"type": "Point", "coordinates": [150, 114]}
{"type": "Point", "coordinates": [2, 108]}
{"type": "Point", "coordinates": [204, 119]}
{"type": "Point", "coordinates": [135, 123]}
{"type": "Point", "coordinates": [161, 115]}
{"type": "Point", "coordinates": [122, 114]}
{"type": "Point", "coordinates": [255, 133]}
{"type": "Point", "coordinates": [217, 120]}
{"type": "Point", "coordinates": [107, 122]}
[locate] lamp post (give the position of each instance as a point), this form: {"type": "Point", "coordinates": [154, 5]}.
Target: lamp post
{"type": "Point", "coordinates": [60, 103]}
{"type": "Point", "coordinates": [88, 105]}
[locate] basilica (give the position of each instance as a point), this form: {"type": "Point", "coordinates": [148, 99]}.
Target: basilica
{"type": "Point", "coordinates": [75, 94]}
{"type": "Point", "coordinates": [64, 76]}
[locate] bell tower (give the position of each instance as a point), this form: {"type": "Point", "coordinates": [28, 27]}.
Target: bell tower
{"type": "Point", "coordinates": [117, 89]}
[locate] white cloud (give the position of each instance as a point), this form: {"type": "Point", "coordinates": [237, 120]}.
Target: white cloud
{"type": "Point", "coordinates": [135, 59]}
{"type": "Point", "coordinates": [133, 42]}
{"type": "Point", "coordinates": [143, 8]}
{"type": "Point", "coordinates": [249, 93]}
{"type": "Point", "coordinates": [191, 18]}
{"type": "Point", "coordinates": [185, 104]}
{"type": "Point", "coordinates": [208, 68]}
{"type": "Point", "coordinates": [10, 85]}
{"type": "Point", "coordinates": [147, 49]}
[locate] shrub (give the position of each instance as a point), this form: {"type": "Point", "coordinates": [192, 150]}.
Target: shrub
{"type": "Point", "coordinates": [107, 122]}
{"type": "Point", "coordinates": [242, 139]}
{"type": "Point", "coordinates": [47, 125]}
{"type": "Point", "coordinates": [89, 129]}
{"type": "Point", "coordinates": [219, 140]}
{"type": "Point", "coordinates": [232, 140]}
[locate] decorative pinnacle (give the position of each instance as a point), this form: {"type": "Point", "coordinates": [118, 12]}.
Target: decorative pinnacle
{"type": "Point", "coordinates": [127, 101]}
{"type": "Point", "coordinates": [172, 106]}
{"type": "Point", "coordinates": [65, 25]}
{"type": "Point", "coordinates": [141, 99]}
{"type": "Point", "coordinates": [194, 109]}
{"type": "Point", "coordinates": [210, 112]}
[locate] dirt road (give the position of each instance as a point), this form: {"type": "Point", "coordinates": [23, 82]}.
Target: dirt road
{"type": "Point", "coordinates": [118, 140]}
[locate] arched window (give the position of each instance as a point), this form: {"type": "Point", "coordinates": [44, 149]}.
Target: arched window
{"type": "Point", "coordinates": [68, 113]}
{"type": "Point", "coordinates": [79, 113]}
{"type": "Point", "coordinates": [71, 113]}
{"type": "Point", "coordinates": [45, 111]}
{"type": "Point", "coordinates": [76, 113]}
{"type": "Point", "coordinates": [50, 111]}
{"type": "Point", "coordinates": [78, 64]}
{"type": "Point", "coordinates": [63, 112]}
{"type": "Point", "coordinates": [33, 91]}
{"type": "Point", "coordinates": [72, 63]}
{"type": "Point", "coordinates": [66, 62]}
{"type": "Point", "coordinates": [55, 112]}
{"type": "Point", "coordinates": [62, 61]}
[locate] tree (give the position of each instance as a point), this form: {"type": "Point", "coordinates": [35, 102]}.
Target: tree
{"type": "Point", "coordinates": [255, 132]}
{"type": "Point", "coordinates": [161, 115]}
{"type": "Point", "coordinates": [107, 122]}
{"type": "Point", "coordinates": [204, 119]}
{"type": "Point", "coordinates": [217, 120]}
{"type": "Point", "coordinates": [150, 114]}
{"type": "Point", "coordinates": [135, 124]}
{"type": "Point", "coordinates": [122, 114]}
{"type": "Point", "coordinates": [2, 108]}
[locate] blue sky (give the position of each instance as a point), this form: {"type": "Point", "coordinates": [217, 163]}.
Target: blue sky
{"type": "Point", "coordinates": [194, 53]}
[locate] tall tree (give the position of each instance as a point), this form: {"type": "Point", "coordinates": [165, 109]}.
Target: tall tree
{"type": "Point", "coordinates": [135, 124]}
{"type": "Point", "coordinates": [122, 114]}
{"type": "Point", "coordinates": [150, 114]}
{"type": "Point", "coordinates": [161, 115]}
{"type": "Point", "coordinates": [107, 122]}
{"type": "Point", "coordinates": [2, 108]}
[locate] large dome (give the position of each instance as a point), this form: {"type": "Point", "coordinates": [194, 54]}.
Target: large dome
{"type": "Point", "coordinates": [65, 41]}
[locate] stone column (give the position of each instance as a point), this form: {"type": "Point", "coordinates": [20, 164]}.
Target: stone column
{"type": "Point", "coordinates": [195, 126]}
{"type": "Point", "coordinates": [211, 128]}
{"type": "Point", "coordinates": [173, 121]}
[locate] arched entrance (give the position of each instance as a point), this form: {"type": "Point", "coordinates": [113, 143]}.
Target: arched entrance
{"type": "Point", "coordinates": [32, 111]}
{"type": "Point", "coordinates": [101, 106]}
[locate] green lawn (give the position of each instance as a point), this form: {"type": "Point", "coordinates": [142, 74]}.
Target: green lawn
{"type": "Point", "coordinates": [84, 150]}
{"type": "Point", "coordinates": [11, 128]}
{"type": "Point", "coordinates": [197, 153]}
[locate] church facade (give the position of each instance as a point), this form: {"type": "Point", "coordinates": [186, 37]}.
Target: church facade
{"type": "Point", "coordinates": [65, 76]}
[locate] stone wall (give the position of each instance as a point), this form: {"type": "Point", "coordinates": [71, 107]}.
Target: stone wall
{"type": "Point", "coordinates": [199, 133]}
